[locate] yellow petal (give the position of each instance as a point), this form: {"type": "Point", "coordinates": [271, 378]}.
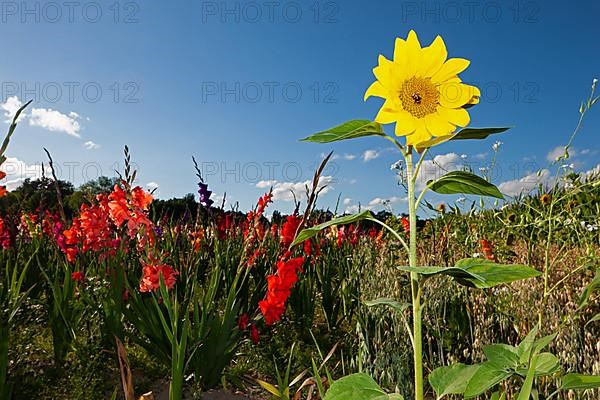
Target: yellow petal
{"type": "Point", "coordinates": [476, 94]}
{"type": "Point", "coordinates": [456, 116]}
{"type": "Point", "coordinates": [405, 123]}
{"type": "Point", "coordinates": [386, 114]}
{"type": "Point", "coordinates": [376, 89]}
{"type": "Point", "coordinates": [420, 135]}
{"type": "Point", "coordinates": [454, 94]}
{"type": "Point", "coordinates": [438, 126]}
{"type": "Point", "coordinates": [451, 68]}
{"type": "Point", "coordinates": [433, 57]}
{"type": "Point", "coordinates": [383, 72]}
{"type": "Point", "coordinates": [400, 51]}
{"type": "Point", "coordinates": [433, 142]}
{"type": "Point", "coordinates": [413, 53]}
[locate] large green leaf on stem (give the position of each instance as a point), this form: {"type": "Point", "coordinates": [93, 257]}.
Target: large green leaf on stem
{"type": "Point", "coordinates": [579, 382]}
{"type": "Point", "coordinates": [452, 379]}
{"type": "Point", "coordinates": [461, 182]}
{"type": "Point", "coordinates": [479, 273]}
{"type": "Point", "coordinates": [347, 219]}
{"type": "Point", "coordinates": [348, 130]}
{"type": "Point", "coordinates": [463, 134]}
{"type": "Point", "coordinates": [358, 386]}
{"type": "Point", "coordinates": [485, 377]}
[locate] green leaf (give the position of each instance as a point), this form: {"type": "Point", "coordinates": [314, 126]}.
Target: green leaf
{"type": "Point", "coordinates": [348, 130]}
{"type": "Point", "coordinates": [580, 382]}
{"type": "Point", "coordinates": [525, 392]}
{"type": "Point", "coordinates": [11, 130]}
{"type": "Point", "coordinates": [358, 386]}
{"type": "Point", "coordinates": [461, 182]}
{"type": "Point", "coordinates": [526, 346]}
{"type": "Point", "coordinates": [347, 219]}
{"type": "Point", "coordinates": [269, 388]}
{"type": "Point", "coordinates": [546, 364]}
{"type": "Point", "coordinates": [479, 273]}
{"type": "Point", "coordinates": [589, 289]}
{"type": "Point", "coordinates": [484, 378]}
{"type": "Point", "coordinates": [593, 319]}
{"type": "Point", "coordinates": [452, 379]}
{"type": "Point", "coordinates": [501, 355]}
{"type": "Point", "coordinates": [396, 305]}
{"type": "Point", "coordinates": [478, 133]}
{"type": "Point", "coordinates": [466, 133]}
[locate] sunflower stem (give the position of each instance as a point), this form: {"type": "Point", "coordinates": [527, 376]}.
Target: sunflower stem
{"type": "Point", "coordinates": [414, 278]}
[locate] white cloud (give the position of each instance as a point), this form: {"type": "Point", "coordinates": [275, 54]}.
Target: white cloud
{"type": "Point", "coordinates": [265, 184]}
{"type": "Point", "coordinates": [17, 171]}
{"type": "Point", "coordinates": [55, 121]}
{"type": "Point", "coordinates": [370, 155]}
{"type": "Point", "coordinates": [89, 145]}
{"type": "Point", "coordinates": [374, 204]}
{"type": "Point", "coordinates": [480, 156]}
{"type": "Point", "coordinates": [10, 108]}
{"type": "Point", "coordinates": [287, 190]}
{"type": "Point", "coordinates": [347, 201]}
{"type": "Point", "coordinates": [525, 184]}
{"type": "Point", "coordinates": [440, 165]}
{"type": "Point", "coordinates": [557, 152]}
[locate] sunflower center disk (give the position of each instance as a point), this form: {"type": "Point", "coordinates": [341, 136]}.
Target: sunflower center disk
{"type": "Point", "coordinates": [419, 96]}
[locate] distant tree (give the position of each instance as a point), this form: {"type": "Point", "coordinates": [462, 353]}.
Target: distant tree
{"type": "Point", "coordinates": [101, 185]}
{"type": "Point", "coordinates": [36, 195]}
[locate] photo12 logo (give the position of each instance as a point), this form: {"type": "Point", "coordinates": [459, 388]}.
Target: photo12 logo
{"type": "Point", "coordinates": [471, 12]}
{"type": "Point", "coordinates": [72, 92]}
{"type": "Point", "coordinates": [270, 12]}
{"type": "Point", "coordinates": [52, 12]}
{"type": "Point", "coordinates": [269, 92]}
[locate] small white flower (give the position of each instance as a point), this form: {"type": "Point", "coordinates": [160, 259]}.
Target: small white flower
{"type": "Point", "coordinates": [594, 81]}
{"type": "Point", "coordinates": [568, 221]}
{"type": "Point", "coordinates": [476, 255]}
{"type": "Point", "coordinates": [496, 146]}
{"type": "Point", "coordinates": [397, 165]}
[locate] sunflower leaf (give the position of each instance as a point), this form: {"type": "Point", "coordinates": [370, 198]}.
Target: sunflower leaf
{"type": "Point", "coordinates": [479, 273]}
{"type": "Point", "coordinates": [579, 382]}
{"type": "Point", "coordinates": [347, 219]}
{"type": "Point", "coordinates": [348, 130]}
{"type": "Point", "coordinates": [461, 182]}
{"type": "Point", "coordinates": [463, 134]}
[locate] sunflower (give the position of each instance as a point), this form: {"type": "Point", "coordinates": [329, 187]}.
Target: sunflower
{"type": "Point", "coordinates": [423, 94]}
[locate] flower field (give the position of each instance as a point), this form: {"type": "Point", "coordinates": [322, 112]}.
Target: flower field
{"type": "Point", "coordinates": [107, 292]}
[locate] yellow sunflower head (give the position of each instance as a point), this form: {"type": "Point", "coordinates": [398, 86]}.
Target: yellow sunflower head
{"type": "Point", "coordinates": [423, 94]}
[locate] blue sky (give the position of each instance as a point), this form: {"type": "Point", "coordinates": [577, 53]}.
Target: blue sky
{"type": "Point", "coordinates": [236, 84]}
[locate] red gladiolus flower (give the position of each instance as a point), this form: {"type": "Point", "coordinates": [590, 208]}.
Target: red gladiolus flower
{"type": "Point", "coordinates": [279, 287]}
{"type": "Point", "coordinates": [488, 250]}
{"type": "Point", "coordinates": [151, 277]}
{"type": "Point", "coordinates": [289, 228]}
{"type": "Point", "coordinates": [307, 248]}
{"type": "Point", "coordinates": [254, 334]}
{"type": "Point", "coordinates": [271, 311]}
{"type": "Point", "coordinates": [77, 276]}
{"type": "Point", "coordinates": [405, 224]}
{"type": "Point", "coordinates": [243, 322]}
{"type": "Point", "coordinates": [5, 238]}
